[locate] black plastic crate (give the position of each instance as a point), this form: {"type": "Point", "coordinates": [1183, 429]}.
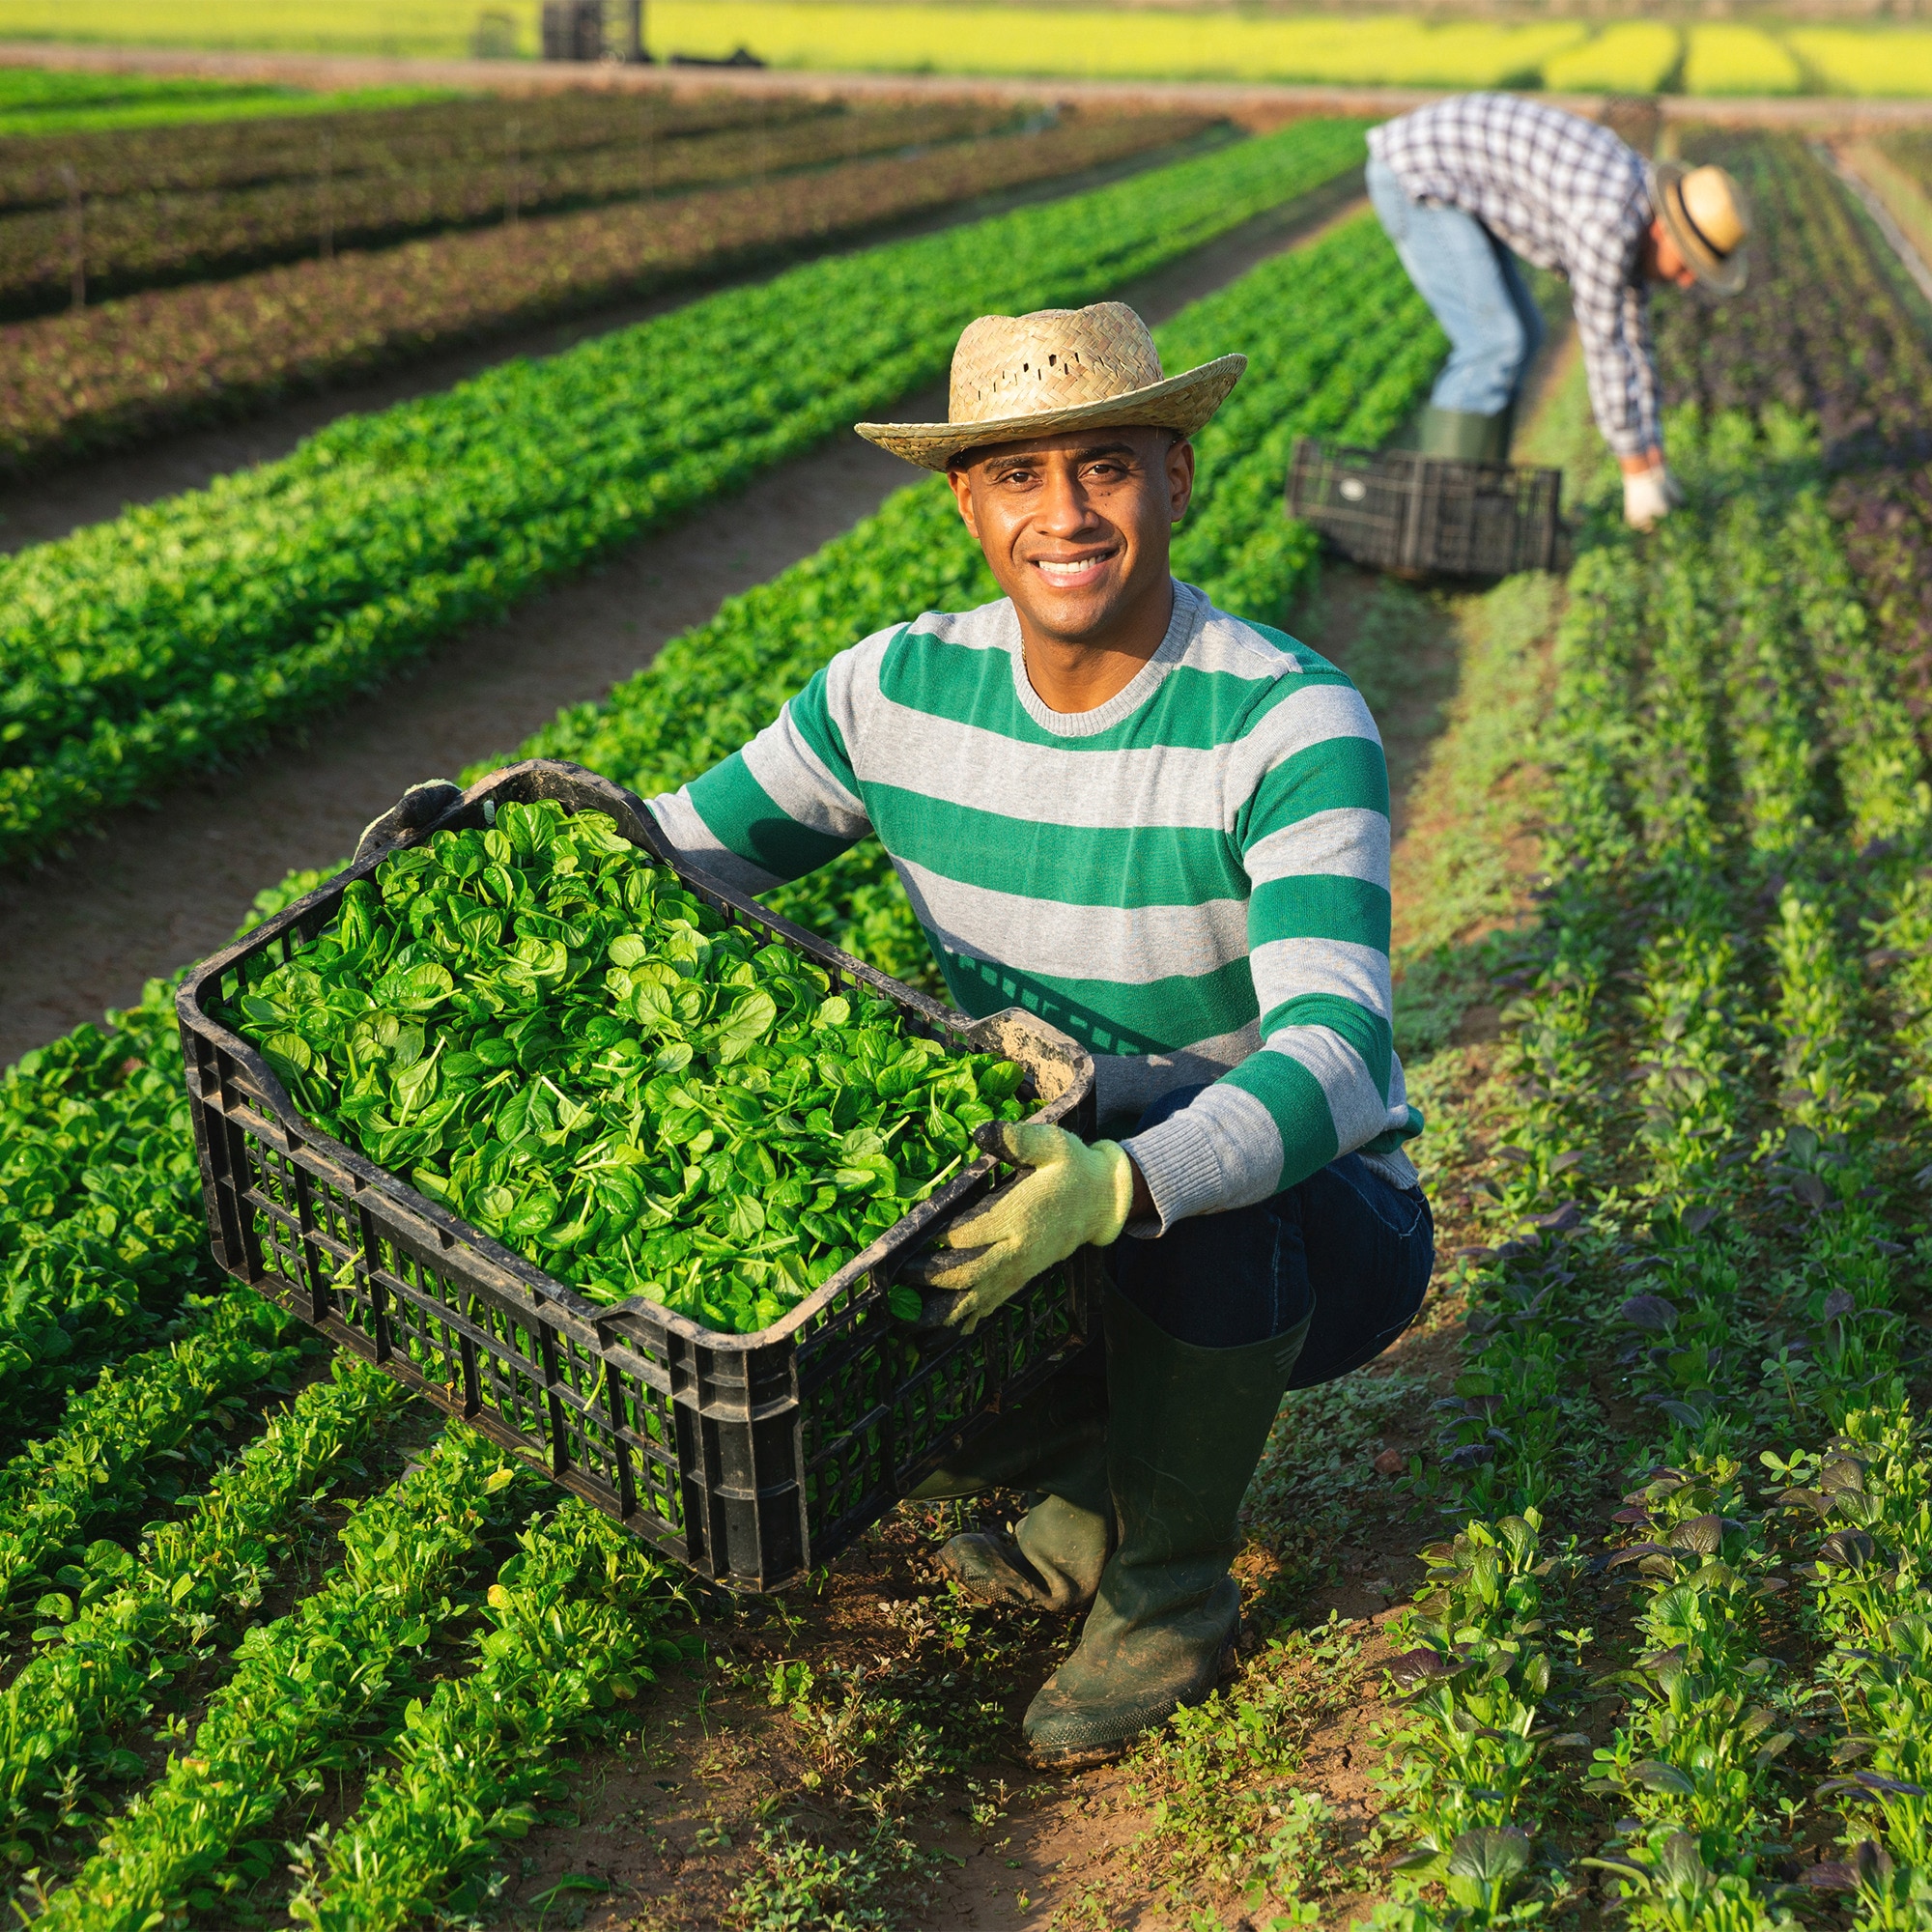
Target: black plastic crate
{"type": "Point", "coordinates": [749, 1458]}
{"type": "Point", "coordinates": [1392, 509]}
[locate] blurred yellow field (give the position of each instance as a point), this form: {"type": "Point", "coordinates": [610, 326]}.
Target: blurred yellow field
{"type": "Point", "coordinates": [1851, 62]}
{"type": "Point", "coordinates": [1089, 41]}
{"type": "Point", "coordinates": [1739, 60]}
{"type": "Point", "coordinates": [1632, 57]}
{"type": "Point", "coordinates": [416, 28]}
{"type": "Point", "coordinates": [1097, 43]}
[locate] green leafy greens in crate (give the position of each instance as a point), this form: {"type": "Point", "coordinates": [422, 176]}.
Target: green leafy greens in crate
{"type": "Point", "coordinates": [548, 1035]}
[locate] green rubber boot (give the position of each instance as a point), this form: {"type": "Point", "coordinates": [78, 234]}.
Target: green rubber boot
{"type": "Point", "coordinates": [1053, 1446]}
{"type": "Point", "coordinates": [1464, 436]}
{"type": "Point", "coordinates": [1164, 1622]}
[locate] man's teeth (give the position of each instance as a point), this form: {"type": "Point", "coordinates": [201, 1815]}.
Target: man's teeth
{"type": "Point", "coordinates": [1074, 569]}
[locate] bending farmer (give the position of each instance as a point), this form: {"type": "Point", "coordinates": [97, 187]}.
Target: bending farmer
{"type": "Point", "coordinates": [1165, 829]}
{"type": "Point", "coordinates": [1461, 183]}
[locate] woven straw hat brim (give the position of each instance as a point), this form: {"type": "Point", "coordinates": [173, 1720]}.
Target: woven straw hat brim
{"type": "Point", "coordinates": [1723, 274]}
{"type": "Point", "coordinates": [1182, 401]}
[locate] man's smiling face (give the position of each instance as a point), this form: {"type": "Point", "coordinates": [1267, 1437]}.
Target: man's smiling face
{"type": "Point", "coordinates": [1076, 527]}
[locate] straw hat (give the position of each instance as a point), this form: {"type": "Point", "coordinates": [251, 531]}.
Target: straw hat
{"type": "Point", "coordinates": [1709, 220]}
{"type": "Point", "coordinates": [1059, 368]}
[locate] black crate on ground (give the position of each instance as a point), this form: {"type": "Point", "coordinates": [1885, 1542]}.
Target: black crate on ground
{"type": "Point", "coordinates": [1394, 510]}
{"type": "Point", "coordinates": [749, 1458]}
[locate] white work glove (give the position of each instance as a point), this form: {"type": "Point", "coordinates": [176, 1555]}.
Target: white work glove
{"type": "Point", "coordinates": [1075, 1194]}
{"type": "Point", "coordinates": [1647, 498]}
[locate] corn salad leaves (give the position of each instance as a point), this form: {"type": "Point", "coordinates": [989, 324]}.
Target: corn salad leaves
{"type": "Point", "coordinates": [555, 1040]}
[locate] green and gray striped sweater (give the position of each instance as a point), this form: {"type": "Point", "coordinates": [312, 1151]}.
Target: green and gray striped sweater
{"type": "Point", "coordinates": [1191, 879]}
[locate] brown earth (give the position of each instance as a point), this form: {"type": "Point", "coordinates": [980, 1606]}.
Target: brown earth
{"type": "Point", "coordinates": [154, 890]}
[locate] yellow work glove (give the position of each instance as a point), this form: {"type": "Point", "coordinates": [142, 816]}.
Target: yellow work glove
{"type": "Point", "coordinates": [1075, 1194]}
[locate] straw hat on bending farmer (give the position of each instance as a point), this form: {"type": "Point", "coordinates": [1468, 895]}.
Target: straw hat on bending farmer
{"type": "Point", "coordinates": [1165, 829]}
{"type": "Point", "coordinates": [1463, 183]}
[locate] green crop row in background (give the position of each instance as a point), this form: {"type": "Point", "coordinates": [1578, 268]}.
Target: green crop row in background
{"type": "Point", "coordinates": [36, 100]}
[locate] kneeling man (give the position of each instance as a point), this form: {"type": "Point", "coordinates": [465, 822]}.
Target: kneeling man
{"type": "Point", "coordinates": [1165, 829]}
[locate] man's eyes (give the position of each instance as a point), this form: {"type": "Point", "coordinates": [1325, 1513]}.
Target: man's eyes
{"type": "Point", "coordinates": [1104, 473]}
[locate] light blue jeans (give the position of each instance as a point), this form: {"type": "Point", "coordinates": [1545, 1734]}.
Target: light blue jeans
{"type": "Point", "coordinates": [1476, 288]}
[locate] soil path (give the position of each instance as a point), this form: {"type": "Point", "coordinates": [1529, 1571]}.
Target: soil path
{"type": "Point", "coordinates": [157, 889]}
{"type": "Point", "coordinates": [65, 495]}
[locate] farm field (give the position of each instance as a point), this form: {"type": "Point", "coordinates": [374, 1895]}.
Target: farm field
{"type": "Point", "coordinates": [40, 102]}
{"type": "Point", "coordinates": [1738, 60]}
{"type": "Point", "coordinates": [1180, 47]}
{"type": "Point", "coordinates": [1204, 42]}
{"type": "Point", "coordinates": [1628, 57]}
{"type": "Point", "coordinates": [136, 648]}
{"type": "Point", "coordinates": [411, 29]}
{"type": "Point", "coordinates": [1602, 1598]}
{"type": "Point", "coordinates": [1385, 50]}
{"type": "Point", "coordinates": [205, 202]}
{"type": "Point", "coordinates": [129, 370]}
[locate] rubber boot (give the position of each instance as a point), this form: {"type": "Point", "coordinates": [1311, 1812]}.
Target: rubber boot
{"type": "Point", "coordinates": [1463, 436]}
{"type": "Point", "coordinates": [1191, 1427]}
{"type": "Point", "coordinates": [1053, 1446]}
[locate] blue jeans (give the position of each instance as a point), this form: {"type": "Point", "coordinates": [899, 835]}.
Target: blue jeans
{"type": "Point", "coordinates": [1344, 1247]}
{"type": "Point", "coordinates": [1476, 289]}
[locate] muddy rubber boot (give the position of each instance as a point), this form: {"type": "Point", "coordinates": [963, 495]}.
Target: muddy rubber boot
{"type": "Point", "coordinates": [1464, 436]}
{"type": "Point", "coordinates": [1054, 1446]}
{"type": "Point", "coordinates": [1193, 1424]}
{"type": "Point", "coordinates": [1053, 1560]}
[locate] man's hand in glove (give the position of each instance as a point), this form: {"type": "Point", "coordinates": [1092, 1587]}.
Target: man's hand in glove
{"type": "Point", "coordinates": [1073, 1195]}
{"type": "Point", "coordinates": [1648, 497]}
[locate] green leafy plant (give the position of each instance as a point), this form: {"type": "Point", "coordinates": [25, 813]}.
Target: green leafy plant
{"type": "Point", "coordinates": [303, 1686]}
{"type": "Point", "coordinates": [551, 1036]}
{"type": "Point", "coordinates": [133, 1623]}
{"type": "Point", "coordinates": [133, 1438]}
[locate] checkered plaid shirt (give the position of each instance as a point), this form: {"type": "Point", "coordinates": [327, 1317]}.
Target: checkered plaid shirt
{"type": "Point", "coordinates": [1566, 194]}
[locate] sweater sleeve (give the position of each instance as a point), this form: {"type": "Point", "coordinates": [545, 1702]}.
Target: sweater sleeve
{"type": "Point", "coordinates": [787, 803]}
{"type": "Point", "coordinates": [1312, 832]}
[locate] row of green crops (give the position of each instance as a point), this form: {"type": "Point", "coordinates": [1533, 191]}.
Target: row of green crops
{"type": "Point", "coordinates": [570, 1626]}
{"type": "Point", "coordinates": [1678, 1655]}
{"type": "Point", "coordinates": [43, 103]}
{"type": "Point", "coordinates": [346, 1658]}
{"type": "Point", "coordinates": [101, 1220]}
{"type": "Point", "coordinates": [133, 1438]}
{"type": "Point", "coordinates": [123, 1628]}
{"type": "Point", "coordinates": [178, 632]}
